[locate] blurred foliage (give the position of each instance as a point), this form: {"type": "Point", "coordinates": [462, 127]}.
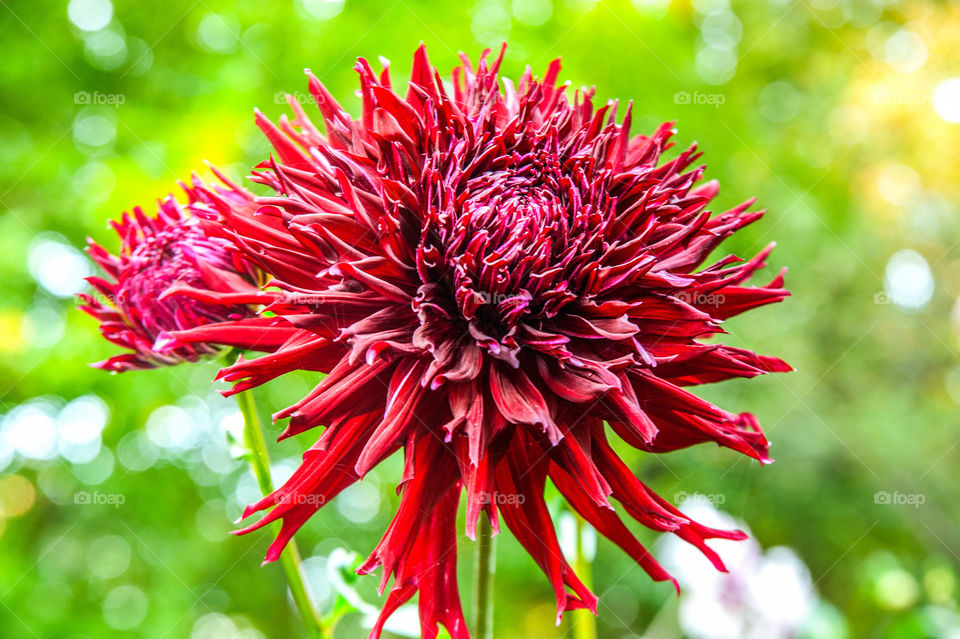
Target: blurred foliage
{"type": "Point", "coordinates": [825, 110]}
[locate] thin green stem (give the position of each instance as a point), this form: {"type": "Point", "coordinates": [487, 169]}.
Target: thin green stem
{"type": "Point", "coordinates": [485, 569]}
{"type": "Point", "coordinates": [586, 626]}
{"type": "Point", "coordinates": [256, 443]}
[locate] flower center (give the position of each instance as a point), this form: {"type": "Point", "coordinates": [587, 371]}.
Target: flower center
{"type": "Point", "coordinates": [510, 248]}
{"type": "Point", "coordinates": [160, 260]}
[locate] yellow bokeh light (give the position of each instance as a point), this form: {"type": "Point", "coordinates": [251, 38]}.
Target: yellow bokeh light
{"type": "Point", "coordinates": [17, 495]}
{"type": "Point", "coordinates": [11, 337]}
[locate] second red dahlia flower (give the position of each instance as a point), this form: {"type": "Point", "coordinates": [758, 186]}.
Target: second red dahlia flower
{"type": "Point", "coordinates": [172, 273]}
{"type": "Point", "coordinates": [495, 280]}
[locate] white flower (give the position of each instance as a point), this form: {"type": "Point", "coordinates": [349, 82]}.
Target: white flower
{"type": "Point", "coordinates": [763, 596]}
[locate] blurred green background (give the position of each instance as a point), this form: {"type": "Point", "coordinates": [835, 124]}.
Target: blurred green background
{"type": "Point", "coordinates": [841, 116]}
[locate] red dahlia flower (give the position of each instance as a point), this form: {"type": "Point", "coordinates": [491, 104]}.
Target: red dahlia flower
{"type": "Point", "coordinates": [488, 278]}
{"type": "Point", "coordinates": [172, 274]}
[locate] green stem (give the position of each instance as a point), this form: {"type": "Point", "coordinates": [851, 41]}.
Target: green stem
{"type": "Point", "coordinates": [256, 443]}
{"type": "Point", "coordinates": [485, 569]}
{"type": "Point", "coordinates": [586, 626]}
